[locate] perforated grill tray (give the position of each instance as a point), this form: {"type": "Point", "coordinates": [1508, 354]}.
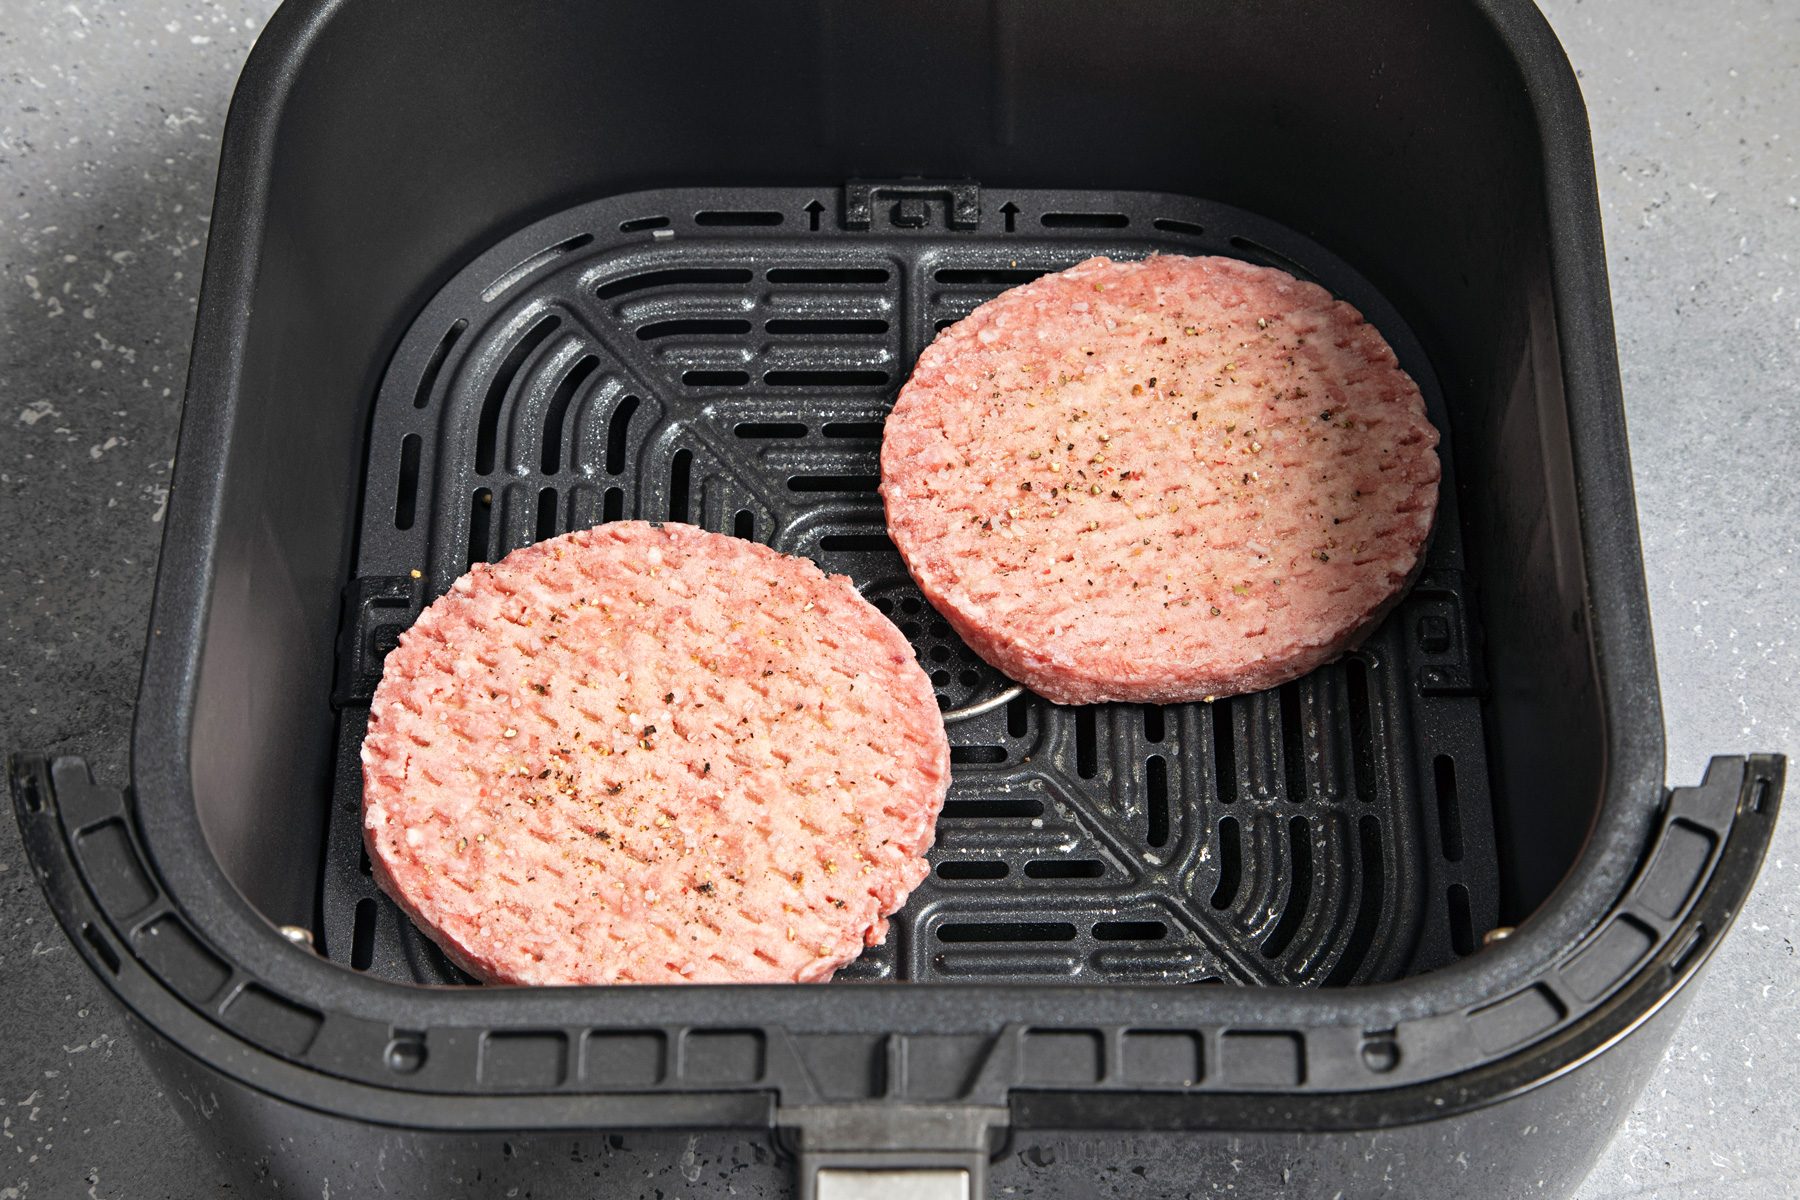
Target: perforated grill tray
{"type": "Point", "coordinates": [727, 358]}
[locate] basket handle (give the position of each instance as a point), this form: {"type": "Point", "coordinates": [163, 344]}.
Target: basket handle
{"type": "Point", "coordinates": [881, 1151]}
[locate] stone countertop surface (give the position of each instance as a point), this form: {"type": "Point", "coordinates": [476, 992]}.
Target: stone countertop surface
{"type": "Point", "coordinates": [110, 116]}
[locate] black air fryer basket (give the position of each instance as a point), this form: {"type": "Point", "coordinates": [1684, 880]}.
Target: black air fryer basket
{"type": "Point", "coordinates": [481, 274]}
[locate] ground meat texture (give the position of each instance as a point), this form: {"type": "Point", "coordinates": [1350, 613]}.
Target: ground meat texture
{"type": "Point", "coordinates": [1160, 481]}
{"type": "Point", "coordinates": [652, 754]}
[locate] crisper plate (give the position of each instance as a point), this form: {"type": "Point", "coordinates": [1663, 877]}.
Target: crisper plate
{"type": "Point", "coordinates": [726, 358]}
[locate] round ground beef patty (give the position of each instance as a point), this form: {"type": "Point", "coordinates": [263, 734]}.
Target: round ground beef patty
{"type": "Point", "coordinates": [1160, 481]}
{"type": "Point", "coordinates": [652, 754]}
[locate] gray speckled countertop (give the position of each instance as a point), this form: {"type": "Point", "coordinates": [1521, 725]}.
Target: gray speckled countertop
{"type": "Point", "coordinates": [109, 122]}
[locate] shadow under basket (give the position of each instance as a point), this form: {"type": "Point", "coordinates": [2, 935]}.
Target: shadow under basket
{"type": "Point", "coordinates": [451, 310]}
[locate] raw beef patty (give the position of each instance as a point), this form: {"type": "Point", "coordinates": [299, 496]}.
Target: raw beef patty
{"type": "Point", "coordinates": [1160, 481]}
{"type": "Point", "coordinates": [652, 754]}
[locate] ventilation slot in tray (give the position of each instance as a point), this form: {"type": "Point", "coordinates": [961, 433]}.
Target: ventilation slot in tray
{"type": "Point", "coordinates": [558, 411]}
{"type": "Point", "coordinates": [829, 275]}
{"type": "Point", "coordinates": [826, 327]}
{"type": "Point", "coordinates": [693, 327]}
{"type": "Point", "coordinates": [1074, 220]}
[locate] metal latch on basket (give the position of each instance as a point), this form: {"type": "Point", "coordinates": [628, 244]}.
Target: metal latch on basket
{"type": "Point", "coordinates": [893, 1151]}
{"type": "Point", "coordinates": [912, 203]}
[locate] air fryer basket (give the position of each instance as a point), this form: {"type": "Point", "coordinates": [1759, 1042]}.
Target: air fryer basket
{"type": "Point", "coordinates": [672, 262]}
